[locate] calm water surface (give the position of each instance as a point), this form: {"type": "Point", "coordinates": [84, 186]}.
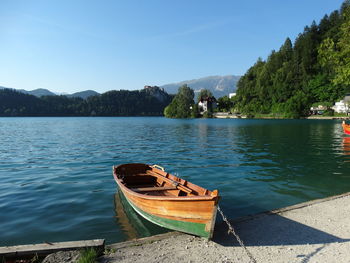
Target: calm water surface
{"type": "Point", "coordinates": [56, 179]}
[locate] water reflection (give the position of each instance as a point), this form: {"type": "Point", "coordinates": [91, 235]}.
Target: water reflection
{"type": "Point", "coordinates": [132, 224]}
{"type": "Point", "coordinates": [346, 148]}
{"type": "Point", "coordinates": [285, 162]}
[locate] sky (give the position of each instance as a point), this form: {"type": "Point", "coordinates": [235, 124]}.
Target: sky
{"type": "Point", "coordinates": [68, 46]}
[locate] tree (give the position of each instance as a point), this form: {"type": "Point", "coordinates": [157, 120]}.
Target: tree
{"type": "Point", "coordinates": [343, 55]}
{"type": "Point", "coordinates": [315, 68]}
{"type": "Point", "coordinates": [335, 56]}
{"type": "Point", "coordinates": [225, 104]}
{"type": "Point", "coordinates": [112, 103]}
{"type": "Point", "coordinates": [286, 50]}
{"type": "Point", "coordinates": [182, 104]}
{"type": "Point", "coordinates": [297, 105]}
{"type": "Point", "coordinates": [195, 111]}
{"type": "Point", "coordinates": [204, 93]}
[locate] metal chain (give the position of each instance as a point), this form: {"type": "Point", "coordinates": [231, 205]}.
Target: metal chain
{"type": "Point", "coordinates": [231, 230]}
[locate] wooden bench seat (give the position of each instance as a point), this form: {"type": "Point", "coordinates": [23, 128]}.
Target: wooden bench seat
{"type": "Point", "coordinates": [170, 181]}
{"type": "Point", "coordinates": [152, 189]}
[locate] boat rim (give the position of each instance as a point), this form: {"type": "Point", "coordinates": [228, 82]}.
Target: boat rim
{"type": "Point", "coordinates": [168, 198]}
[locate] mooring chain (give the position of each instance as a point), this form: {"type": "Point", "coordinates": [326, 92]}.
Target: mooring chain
{"type": "Point", "coordinates": [231, 230]}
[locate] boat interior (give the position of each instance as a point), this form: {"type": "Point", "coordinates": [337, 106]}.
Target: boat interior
{"type": "Point", "coordinates": [153, 180]}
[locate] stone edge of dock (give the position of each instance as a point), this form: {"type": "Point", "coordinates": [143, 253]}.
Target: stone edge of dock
{"type": "Point", "coordinates": [99, 244]}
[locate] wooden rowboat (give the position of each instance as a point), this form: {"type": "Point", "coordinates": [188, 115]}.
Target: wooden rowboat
{"type": "Point", "coordinates": [167, 200]}
{"type": "Point", "coordinates": [346, 128]}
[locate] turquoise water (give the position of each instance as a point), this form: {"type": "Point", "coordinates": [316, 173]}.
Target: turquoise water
{"type": "Point", "coordinates": [56, 179]}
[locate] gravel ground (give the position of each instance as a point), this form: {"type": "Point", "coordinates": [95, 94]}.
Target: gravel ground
{"type": "Point", "coordinates": [317, 231]}
{"type": "Point", "coordinates": [63, 257]}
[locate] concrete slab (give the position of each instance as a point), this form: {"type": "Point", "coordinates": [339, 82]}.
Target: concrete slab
{"type": "Point", "coordinates": [316, 231]}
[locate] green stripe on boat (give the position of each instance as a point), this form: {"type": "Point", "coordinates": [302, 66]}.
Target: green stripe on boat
{"type": "Point", "coordinates": [187, 227]}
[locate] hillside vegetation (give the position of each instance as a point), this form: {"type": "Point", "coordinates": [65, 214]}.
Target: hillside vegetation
{"type": "Point", "coordinates": [146, 102]}
{"type": "Point", "coordinates": [316, 68]}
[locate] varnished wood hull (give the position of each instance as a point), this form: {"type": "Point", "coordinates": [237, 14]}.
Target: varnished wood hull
{"type": "Point", "coordinates": [194, 214]}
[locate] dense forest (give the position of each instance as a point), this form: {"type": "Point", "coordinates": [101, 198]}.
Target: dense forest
{"type": "Point", "coordinates": [150, 101]}
{"type": "Point", "coordinates": [315, 69]}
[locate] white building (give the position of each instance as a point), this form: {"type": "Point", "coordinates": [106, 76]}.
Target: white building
{"type": "Point", "coordinates": [207, 103]}
{"type": "Point", "coordinates": [341, 107]}
{"type": "Point", "coordinates": [230, 95]}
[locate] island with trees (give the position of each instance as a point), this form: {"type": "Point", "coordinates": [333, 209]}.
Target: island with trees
{"type": "Point", "coordinates": [149, 101]}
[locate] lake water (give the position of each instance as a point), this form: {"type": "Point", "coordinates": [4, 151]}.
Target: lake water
{"type": "Point", "coordinates": [56, 179]}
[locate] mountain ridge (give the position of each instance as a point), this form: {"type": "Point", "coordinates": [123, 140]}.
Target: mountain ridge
{"type": "Point", "coordinates": [45, 92]}
{"type": "Point", "coordinates": [83, 94]}
{"type": "Point", "coordinates": [218, 85]}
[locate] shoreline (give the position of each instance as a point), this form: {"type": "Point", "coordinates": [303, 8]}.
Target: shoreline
{"type": "Point", "coordinates": [226, 115]}
{"type": "Point", "coordinates": [313, 231]}
{"type": "Point", "coordinates": [328, 118]}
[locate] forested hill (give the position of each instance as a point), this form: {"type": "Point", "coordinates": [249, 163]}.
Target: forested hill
{"type": "Point", "coordinates": [150, 101]}
{"type": "Point", "coordinates": [316, 68]}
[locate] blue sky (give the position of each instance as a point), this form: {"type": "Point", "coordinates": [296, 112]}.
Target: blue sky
{"type": "Point", "coordinates": [75, 45]}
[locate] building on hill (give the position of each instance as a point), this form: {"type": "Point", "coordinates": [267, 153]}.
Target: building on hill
{"type": "Point", "coordinates": [156, 92]}
{"type": "Point", "coordinates": [231, 95]}
{"type": "Point", "coordinates": [207, 103]}
{"type": "Point", "coordinates": [343, 106]}
{"type": "Point", "coordinates": [318, 110]}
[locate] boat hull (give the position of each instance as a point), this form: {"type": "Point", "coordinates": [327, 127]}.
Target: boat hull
{"type": "Point", "coordinates": [193, 213]}
{"type": "Point", "coordinates": [346, 128]}
{"type": "Point", "coordinates": [195, 226]}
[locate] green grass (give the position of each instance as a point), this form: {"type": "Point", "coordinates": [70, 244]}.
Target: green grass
{"type": "Point", "coordinates": [269, 115]}
{"type": "Point", "coordinates": [88, 256]}
{"type": "Point", "coordinates": [109, 251]}
{"type": "Point", "coordinates": [340, 115]}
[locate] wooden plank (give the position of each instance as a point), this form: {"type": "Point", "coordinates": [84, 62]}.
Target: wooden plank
{"type": "Point", "coordinates": [179, 186]}
{"type": "Point", "coordinates": [48, 248]}
{"type": "Point", "coordinates": [152, 189]}
{"type": "Point", "coordinates": [140, 185]}
{"type": "Point", "coordinates": [198, 211]}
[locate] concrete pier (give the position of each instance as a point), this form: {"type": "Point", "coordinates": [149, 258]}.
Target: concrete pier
{"type": "Point", "coordinates": [316, 231]}
{"type": "Point", "coordinates": [29, 251]}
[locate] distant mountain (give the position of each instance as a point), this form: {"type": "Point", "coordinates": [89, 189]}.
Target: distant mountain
{"type": "Point", "coordinates": [44, 92]}
{"type": "Point", "coordinates": [83, 94]}
{"type": "Point", "coordinates": [38, 92]}
{"type": "Point", "coordinates": [218, 85]}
